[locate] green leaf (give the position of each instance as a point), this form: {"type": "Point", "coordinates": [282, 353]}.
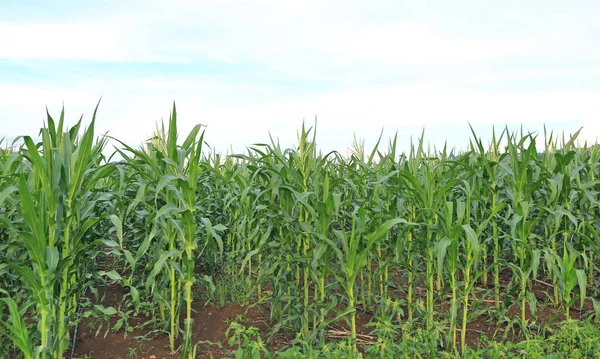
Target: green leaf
{"type": "Point", "coordinates": [118, 225]}
{"type": "Point", "coordinates": [440, 249]}
{"type": "Point", "coordinates": [16, 328]}
{"type": "Point", "coordinates": [160, 263]}
{"type": "Point", "coordinates": [130, 259]}
{"type": "Point", "coordinates": [167, 210]}
{"type": "Point", "coordinates": [219, 227]}
{"type": "Point", "coordinates": [382, 230]}
{"type": "Point", "coordinates": [135, 295]}
{"type": "Point", "coordinates": [473, 241]}
{"type": "Point", "coordinates": [6, 193]}
{"type": "Point", "coordinates": [110, 243]}
{"type": "Point", "coordinates": [33, 284]}
{"type": "Point", "coordinates": [36, 242]}
{"type": "Point", "coordinates": [145, 245]}
{"type": "Point", "coordinates": [108, 311]}
{"type": "Point", "coordinates": [582, 282]}
{"type": "Point", "coordinates": [111, 274]}
{"type": "Point", "coordinates": [52, 258]}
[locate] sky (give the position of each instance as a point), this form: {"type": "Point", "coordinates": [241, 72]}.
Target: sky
{"type": "Point", "coordinates": [250, 69]}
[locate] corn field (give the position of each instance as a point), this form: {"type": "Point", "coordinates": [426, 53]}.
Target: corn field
{"type": "Point", "coordinates": [426, 243]}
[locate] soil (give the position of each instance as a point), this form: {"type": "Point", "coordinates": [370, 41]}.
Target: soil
{"type": "Point", "coordinates": [210, 324]}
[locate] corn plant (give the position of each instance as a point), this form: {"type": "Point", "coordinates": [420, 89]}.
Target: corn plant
{"type": "Point", "coordinates": [492, 179]}
{"type": "Point", "coordinates": [568, 276]}
{"type": "Point", "coordinates": [16, 328]}
{"type": "Point", "coordinates": [447, 255]}
{"type": "Point", "coordinates": [57, 200]}
{"type": "Point", "coordinates": [10, 167]}
{"type": "Point", "coordinates": [175, 172]}
{"type": "Point", "coordinates": [314, 237]}
{"type": "Point", "coordinates": [352, 257]}
{"type": "Point", "coordinates": [523, 179]}
{"type": "Point", "coordinates": [428, 192]}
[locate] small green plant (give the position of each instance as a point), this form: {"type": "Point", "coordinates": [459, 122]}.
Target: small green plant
{"type": "Point", "coordinates": [248, 342]}
{"type": "Point", "coordinates": [574, 339]}
{"type": "Point", "coordinates": [386, 333]}
{"type": "Point", "coordinates": [569, 277]}
{"type": "Point", "coordinates": [225, 290]}
{"type": "Point", "coordinates": [16, 327]}
{"type": "Point", "coordinates": [123, 322]}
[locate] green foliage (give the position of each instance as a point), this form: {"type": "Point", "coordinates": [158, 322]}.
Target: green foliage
{"type": "Point", "coordinates": [313, 238]}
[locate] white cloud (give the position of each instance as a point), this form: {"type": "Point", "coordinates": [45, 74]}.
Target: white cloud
{"type": "Point", "coordinates": [290, 38]}
{"type": "Point", "coordinates": [100, 41]}
{"type": "Point", "coordinates": [309, 40]}
{"type": "Point", "coordinates": [130, 115]}
{"type": "Point", "coordinates": [342, 43]}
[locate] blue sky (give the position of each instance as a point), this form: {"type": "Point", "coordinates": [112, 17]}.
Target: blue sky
{"type": "Point", "coordinates": [247, 68]}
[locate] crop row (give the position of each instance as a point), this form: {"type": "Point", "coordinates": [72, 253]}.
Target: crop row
{"type": "Point", "coordinates": [314, 236]}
